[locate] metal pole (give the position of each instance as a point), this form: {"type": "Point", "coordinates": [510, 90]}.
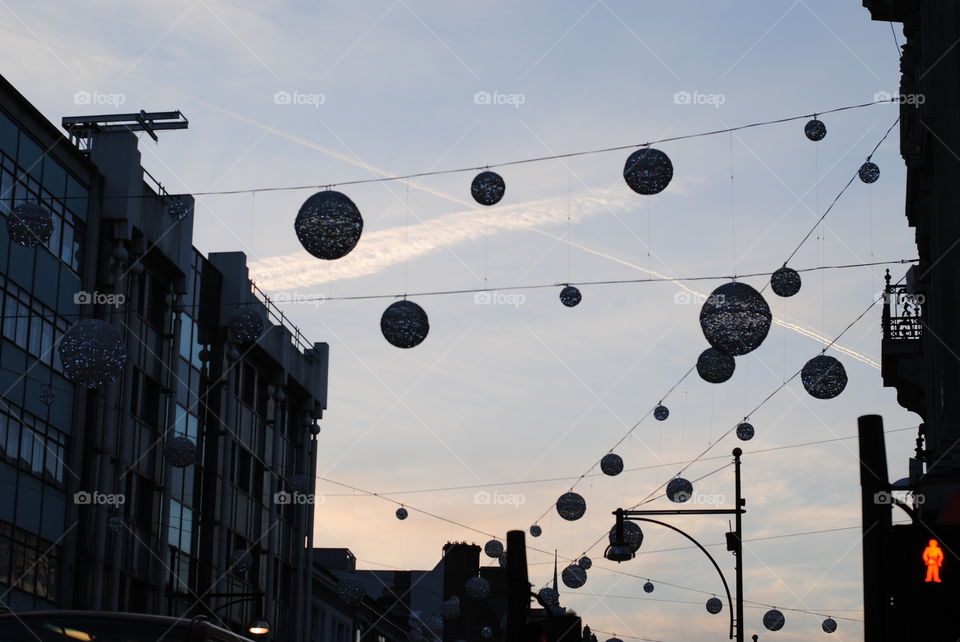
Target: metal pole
{"type": "Point", "coordinates": [739, 534]}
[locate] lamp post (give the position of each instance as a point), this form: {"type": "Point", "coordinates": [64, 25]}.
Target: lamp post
{"type": "Point", "coordinates": [260, 626]}
{"type": "Point", "coordinates": [620, 550]}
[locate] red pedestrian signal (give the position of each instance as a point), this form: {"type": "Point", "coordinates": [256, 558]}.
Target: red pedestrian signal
{"type": "Point", "coordinates": [933, 558]}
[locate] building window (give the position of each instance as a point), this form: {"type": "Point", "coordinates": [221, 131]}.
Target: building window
{"type": "Point", "coordinates": [28, 563]}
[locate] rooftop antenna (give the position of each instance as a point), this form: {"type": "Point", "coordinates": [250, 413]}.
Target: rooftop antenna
{"type": "Point", "coordinates": [82, 128]}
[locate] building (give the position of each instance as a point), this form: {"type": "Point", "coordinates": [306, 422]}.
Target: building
{"type": "Point", "coordinates": [100, 509]}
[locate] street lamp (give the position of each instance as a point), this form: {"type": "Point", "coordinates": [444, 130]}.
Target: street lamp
{"type": "Point", "coordinates": [620, 550]}
{"type": "Point", "coordinates": [259, 627]}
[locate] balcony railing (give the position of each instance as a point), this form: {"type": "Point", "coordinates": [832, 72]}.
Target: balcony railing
{"type": "Point", "coordinates": [902, 313]}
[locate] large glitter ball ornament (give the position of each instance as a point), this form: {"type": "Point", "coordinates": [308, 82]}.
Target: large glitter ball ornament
{"type": "Point", "coordinates": [745, 431]}
{"type": "Point", "coordinates": [180, 452]}
{"type": "Point", "coordinates": [30, 225]}
{"type": "Point", "coordinates": [714, 605]}
{"type": "Point", "coordinates": [815, 130]}
{"type": "Point", "coordinates": [549, 596]}
{"type": "Point", "coordinates": [829, 625]}
{"type": "Point", "coordinates": [869, 172]}
{"type": "Point", "coordinates": [785, 282]}
{"type": "Point", "coordinates": [351, 591]}
{"type": "Point", "coordinates": [486, 632]}
{"type": "Point", "coordinates": [648, 171]}
{"type": "Point", "coordinates": [614, 640]}
{"type": "Point", "coordinates": [571, 506]}
{"type": "Point", "coordinates": [823, 377]}
{"type": "Point", "coordinates": [611, 464]}
{"type": "Point", "coordinates": [179, 208]}
{"type": "Point", "coordinates": [585, 563]}
{"type": "Point", "coordinates": [487, 188]}
{"type": "Point", "coordinates": [632, 535]}
{"type": "Point", "coordinates": [735, 318]}
{"type": "Point", "coordinates": [570, 296]}
{"type": "Point", "coordinates": [648, 587]}
{"type": "Point", "coordinates": [402, 513]}
{"type": "Point", "coordinates": [115, 523]}
{"type": "Point", "coordinates": [404, 324]}
{"type": "Point", "coordinates": [92, 353]}
{"type": "Point", "coordinates": [536, 531]}
{"type": "Point", "coordinates": [679, 490]}
{"type": "Point", "coordinates": [328, 225]}
{"type": "Point", "coordinates": [660, 413]}
{"type": "Point", "coordinates": [493, 548]}
{"type": "Point", "coordinates": [573, 576]}
{"type": "Point", "coordinates": [246, 326]}
{"type": "Point", "coordinates": [46, 396]}
{"type": "Point", "coordinates": [450, 609]}
{"type": "Point", "coordinates": [714, 366]}
{"type": "Point", "coordinates": [241, 561]}
{"type": "Point", "coordinates": [300, 484]}
{"type": "Point", "coordinates": [773, 620]}
{"type": "Point", "coordinates": [477, 587]}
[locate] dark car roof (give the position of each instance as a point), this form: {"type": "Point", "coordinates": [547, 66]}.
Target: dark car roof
{"type": "Point", "coordinates": [196, 627]}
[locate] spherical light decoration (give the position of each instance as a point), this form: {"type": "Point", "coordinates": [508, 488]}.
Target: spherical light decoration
{"type": "Point", "coordinates": [648, 171]}
{"type": "Point", "coordinates": [180, 452]}
{"type": "Point", "coordinates": [450, 609]}
{"type": "Point", "coordinates": [328, 225]}
{"type": "Point", "coordinates": [660, 413]}
{"type": "Point", "coordinates": [611, 464]}
{"type": "Point", "coordinates": [585, 563]}
{"type": "Point", "coordinates": [536, 531]}
{"type": "Point", "coordinates": [549, 596]}
{"type": "Point", "coordinates": [477, 587]}
{"type": "Point", "coordinates": [92, 353]}
{"type": "Point", "coordinates": [46, 396]}
{"type": "Point", "coordinates": [241, 561]}
{"type": "Point", "coordinates": [869, 172]}
{"type": "Point", "coordinates": [745, 431]}
{"type": "Point", "coordinates": [773, 620]}
{"type": "Point", "coordinates": [502, 560]}
{"type": "Point", "coordinates": [679, 490]}
{"type": "Point", "coordinates": [614, 640]}
{"type": "Point", "coordinates": [351, 591]}
{"type": "Point", "coordinates": [300, 484]}
{"type": "Point", "coordinates": [714, 366]}
{"type": "Point", "coordinates": [30, 225]}
{"type": "Point", "coordinates": [570, 296]}
{"type": "Point", "coordinates": [115, 523]}
{"type": "Point", "coordinates": [573, 576]}
{"type": "Point", "coordinates": [632, 535]}
{"type": "Point", "coordinates": [179, 208]}
{"type": "Point", "coordinates": [246, 326]}
{"type": "Point", "coordinates": [823, 377]}
{"type": "Point", "coordinates": [829, 625]}
{"type": "Point", "coordinates": [735, 318]}
{"type": "Point", "coordinates": [785, 282]}
{"type": "Point", "coordinates": [493, 548]}
{"type": "Point", "coordinates": [571, 506]}
{"type": "Point", "coordinates": [488, 188]}
{"type": "Point", "coordinates": [648, 587]}
{"type": "Point", "coordinates": [402, 513]}
{"type": "Point", "coordinates": [486, 633]}
{"type": "Point", "coordinates": [815, 130]}
{"type": "Point", "coordinates": [404, 324]}
{"type": "Point", "coordinates": [714, 605]}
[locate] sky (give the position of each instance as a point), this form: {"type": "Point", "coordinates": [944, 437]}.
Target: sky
{"type": "Point", "coordinates": [512, 396]}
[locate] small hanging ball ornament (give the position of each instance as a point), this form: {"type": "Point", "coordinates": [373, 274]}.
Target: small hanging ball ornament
{"type": "Point", "coordinates": [404, 324]}
{"type": "Point", "coordinates": [815, 130]}
{"type": "Point", "coordinates": [869, 172]}
{"type": "Point", "coordinates": [632, 535]}
{"type": "Point", "coordinates": [179, 208]}
{"type": "Point", "coordinates": [486, 633]}
{"type": "Point", "coordinates": [829, 625]}
{"type": "Point", "coordinates": [679, 490]}
{"type": "Point", "coordinates": [477, 587]}
{"type": "Point", "coordinates": [488, 188]}
{"type": "Point", "coordinates": [648, 171]}
{"type": "Point", "coordinates": [570, 296]}
{"type": "Point", "coordinates": [745, 431]}
{"type": "Point", "coordinates": [549, 596]}
{"type": "Point", "coordinates": [300, 484]}
{"type": "Point", "coordinates": [773, 620]}
{"type": "Point", "coordinates": [30, 225]}
{"type": "Point", "coordinates": [92, 353]}
{"type": "Point", "coordinates": [573, 576]}
{"type": "Point", "coordinates": [823, 377]}
{"type": "Point", "coordinates": [351, 591]}
{"type": "Point", "coordinates": [785, 282]}
{"type": "Point", "coordinates": [493, 548]}
{"type": "Point", "coordinates": [714, 605]}
{"type": "Point", "coordinates": [246, 326]}
{"type": "Point", "coordinates": [714, 366]}
{"type": "Point", "coordinates": [660, 413]}
{"type": "Point", "coordinates": [648, 587]}
{"type": "Point", "coordinates": [536, 531]}
{"type": "Point", "coordinates": [180, 452]}
{"type": "Point", "coordinates": [450, 609]}
{"type": "Point", "coordinates": [402, 513]}
{"type": "Point", "coordinates": [585, 563]}
{"type": "Point", "coordinates": [46, 396]}
{"type": "Point", "coordinates": [611, 464]}
{"type": "Point", "coordinates": [241, 561]}
{"type": "Point", "coordinates": [735, 318]}
{"type": "Point", "coordinates": [502, 560]}
{"type": "Point", "coordinates": [571, 506]}
{"type": "Point", "coordinates": [328, 225]}
{"type": "Point", "coordinates": [614, 640]}
{"type": "Point", "coordinates": [115, 523]}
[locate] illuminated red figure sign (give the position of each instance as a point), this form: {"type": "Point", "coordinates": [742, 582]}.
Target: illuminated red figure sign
{"type": "Point", "coordinates": [933, 558]}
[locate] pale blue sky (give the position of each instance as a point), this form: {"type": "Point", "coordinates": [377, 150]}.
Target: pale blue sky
{"type": "Point", "coordinates": [501, 393]}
